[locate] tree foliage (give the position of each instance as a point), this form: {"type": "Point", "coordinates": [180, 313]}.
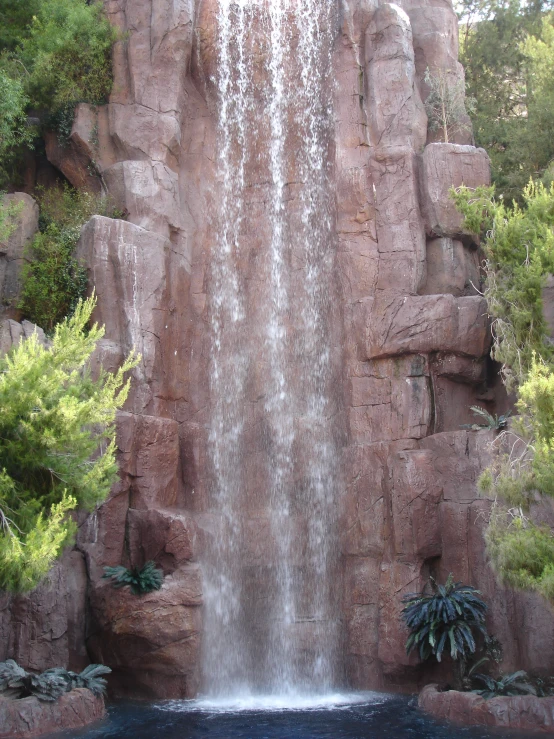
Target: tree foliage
{"type": "Point", "coordinates": [53, 54]}
{"type": "Point", "coordinates": [57, 444]}
{"type": "Point", "coordinates": [506, 49]}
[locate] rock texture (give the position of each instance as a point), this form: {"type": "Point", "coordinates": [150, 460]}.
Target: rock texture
{"type": "Point", "coordinates": [521, 712]}
{"type": "Point", "coordinates": [29, 717]}
{"type": "Point", "coordinates": [411, 328]}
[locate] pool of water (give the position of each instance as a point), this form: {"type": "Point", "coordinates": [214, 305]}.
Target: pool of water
{"type": "Point", "coordinates": [360, 716]}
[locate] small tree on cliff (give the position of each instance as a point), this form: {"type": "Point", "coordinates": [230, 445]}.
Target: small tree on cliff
{"type": "Point", "coordinates": [446, 105]}
{"type": "Point", "coordinates": [57, 444]}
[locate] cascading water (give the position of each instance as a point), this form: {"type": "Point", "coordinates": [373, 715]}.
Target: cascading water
{"type": "Point", "coordinates": [271, 623]}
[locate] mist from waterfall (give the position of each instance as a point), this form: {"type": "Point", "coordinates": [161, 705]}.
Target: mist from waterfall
{"type": "Point", "coordinates": [271, 618]}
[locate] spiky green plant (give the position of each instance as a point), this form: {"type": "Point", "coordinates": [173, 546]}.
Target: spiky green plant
{"type": "Point", "coordinates": [504, 685]}
{"type": "Point", "coordinates": [141, 581]}
{"type": "Point", "coordinates": [495, 422]}
{"type": "Point", "coordinates": [15, 682]}
{"type": "Point", "coordinates": [445, 619]}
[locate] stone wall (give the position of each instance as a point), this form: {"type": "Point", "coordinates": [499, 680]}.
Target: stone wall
{"type": "Point", "coordinates": [415, 341]}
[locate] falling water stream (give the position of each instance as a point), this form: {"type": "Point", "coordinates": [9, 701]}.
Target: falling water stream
{"type": "Point", "coordinates": [271, 623]}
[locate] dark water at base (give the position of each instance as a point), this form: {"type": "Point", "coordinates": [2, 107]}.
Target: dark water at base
{"type": "Point", "coordinates": [380, 717]}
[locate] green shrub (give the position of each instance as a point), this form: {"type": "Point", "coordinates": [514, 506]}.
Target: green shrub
{"type": "Point", "coordinates": [141, 581]}
{"type": "Point", "coordinates": [53, 281]}
{"type": "Point", "coordinates": [444, 620]}
{"type": "Point", "coordinates": [57, 444]}
{"type": "Point", "coordinates": [8, 218]}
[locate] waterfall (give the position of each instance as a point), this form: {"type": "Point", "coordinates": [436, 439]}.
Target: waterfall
{"type": "Point", "coordinates": [271, 571]}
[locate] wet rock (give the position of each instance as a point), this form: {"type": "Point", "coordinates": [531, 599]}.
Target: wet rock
{"type": "Point", "coordinates": [29, 717]}
{"type": "Point", "coordinates": [521, 712]}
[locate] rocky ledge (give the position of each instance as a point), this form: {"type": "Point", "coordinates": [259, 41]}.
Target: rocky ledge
{"type": "Point", "coordinates": [28, 717]}
{"type": "Point", "coordinates": [522, 712]}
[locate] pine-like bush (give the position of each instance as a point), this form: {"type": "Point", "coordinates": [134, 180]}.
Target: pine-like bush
{"type": "Point", "coordinates": [57, 444]}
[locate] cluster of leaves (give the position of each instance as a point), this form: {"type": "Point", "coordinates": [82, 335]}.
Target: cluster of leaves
{"type": "Point", "coordinates": [53, 54]}
{"type": "Point", "coordinates": [141, 581]}
{"type": "Point", "coordinates": [53, 281]}
{"type": "Point", "coordinates": [507, 49]}
{"type": "Point", "coordinates": [15, 682]}
{"type": "Point", "coordinates": [444, 619]}
{"type": "Point", "coordinates": [491, 422]}
{"type": "Point", "coordinates": [57, 444]}
{"type": "Point", "coordinates": [512, 684]}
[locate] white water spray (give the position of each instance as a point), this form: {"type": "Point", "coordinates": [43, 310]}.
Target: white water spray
{"type": "Point", "coordinates": [271, 622]}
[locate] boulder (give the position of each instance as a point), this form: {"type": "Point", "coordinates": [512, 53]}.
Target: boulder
{"type": "Point", "coordinates": [73, 162]}
{"type": "Point", "coordinates": [444, 166]}
{"type": "Point", "coordinates": [520, 712]}
{"type": "Point", "coordinates": [152, 641]}
{"type": "Point", "coordinates": [426, 323]}
{"type": "Point", "coordinates": [29, 717]}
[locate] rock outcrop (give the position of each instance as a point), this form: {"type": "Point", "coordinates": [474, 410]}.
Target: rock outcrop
{"type": "Point", "coordinates": [519, 712]}
{"type": "Point", "coordinates": [29, 717]}
{"type": "Point", "coordinates": [410, 324]}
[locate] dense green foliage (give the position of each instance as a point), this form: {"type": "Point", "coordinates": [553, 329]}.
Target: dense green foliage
{"type": "Point", "coordinates": [15, 682]}
{"type": "Point", "coordinates": [141, 581]}
{"type": "Point", "coordinates": [512, 684]}
{"type": "Point", "coordinates": [519, 246]}
{"type": "Point", "coordinates": [57, 447]}
{"type": "Point", "coordinates": [8, 218]}
{"type": "Point", "coordinates": [53, 54]}
{"type": "Point", "coordinates": [446, 619]}
{"type": "Point", "coordinates": [53, 280]}
{"type": "Point", "coordinates": [507, 49]}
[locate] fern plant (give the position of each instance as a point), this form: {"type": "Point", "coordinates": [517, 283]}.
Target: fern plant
{"type": "Point", "coordinates": [141, 581]}
{"type": "Point", "coordinates": [495, 422]}
{"type": "Point", "coordinates": [445, 619]}
{"type": "Point", "coordinates": [504, 685]}
{"type": "Point", "coordinates": [15, 682]}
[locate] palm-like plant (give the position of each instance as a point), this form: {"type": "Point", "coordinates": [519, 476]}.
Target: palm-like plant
{"type": "Point", "coordinates": [141, 581]}
{"type": "Point", "coordinates": [490, 422]}
{"type": "Point", "coordinates": [512, 684]}
{"type": "Point", "coordinates": [445, 619]}
{"type": "Point", "coordinates": [15, 682]}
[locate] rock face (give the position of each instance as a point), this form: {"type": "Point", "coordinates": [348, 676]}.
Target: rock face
{"type": "Point", "coordinates": [29, 717]}
{"type": "Point", "coordinates": [412, 331]}
{"type": "Point", "coordinates": [520, 712]}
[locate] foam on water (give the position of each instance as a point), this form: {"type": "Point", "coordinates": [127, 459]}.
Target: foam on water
{"type": "Point", "coordinates": [276, 703]}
